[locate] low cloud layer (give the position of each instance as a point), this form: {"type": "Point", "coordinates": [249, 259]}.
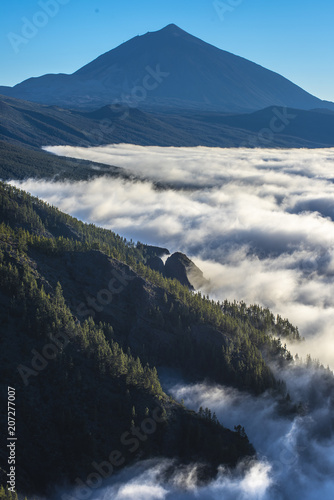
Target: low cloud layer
{"type": "Point", "coordinates": [295, 453]}
{"type": "Point", "coordinates": [145, 481]}
{"type": "Point", "coordinates": [298, 450]}
{"type": "Point", "coordinates": [259, 223]}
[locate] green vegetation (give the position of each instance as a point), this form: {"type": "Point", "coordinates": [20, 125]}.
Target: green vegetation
{"type": "Point", "coordinates": [6, 494]}
{"type": "Point", "coordinates": [81, 351]}
{"type": "Point", "coordinates": [33, 125]}
{"type": "Point", "coordinates": [227, 342]}
{"type": "Point", "coordinates": [81, 384]}
{"type": "Point", "coordinates": [20, 163]}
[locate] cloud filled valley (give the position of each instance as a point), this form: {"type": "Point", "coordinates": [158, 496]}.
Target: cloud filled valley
{"type": "Point", "coordinates": [260, 224]}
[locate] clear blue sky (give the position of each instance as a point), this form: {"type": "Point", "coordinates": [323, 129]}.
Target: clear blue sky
{"type": "Point", "coordinates": [293, 37]}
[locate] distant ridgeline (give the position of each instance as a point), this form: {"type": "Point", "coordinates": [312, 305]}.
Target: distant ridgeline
{"type": "Point", "coordinates": [166, 88]}
{"type": "Point", "coordinates": [85, 321]}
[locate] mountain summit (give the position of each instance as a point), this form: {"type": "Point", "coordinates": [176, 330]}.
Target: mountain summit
{"type": "Point", "coordinates": [164, 70]}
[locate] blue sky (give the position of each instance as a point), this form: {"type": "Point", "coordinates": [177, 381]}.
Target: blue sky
{"type": "Point", "coordinates": [294, 38]}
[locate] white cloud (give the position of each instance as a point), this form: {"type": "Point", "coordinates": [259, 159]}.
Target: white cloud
{"type": "Point", "coordinates": [141, 492]}
{"type": "Point", "coordinates": [296, 453]}
{"type": "Point", "coordinates": [258, 222]}
{"type": "Point", "coordinates": [145, 480]}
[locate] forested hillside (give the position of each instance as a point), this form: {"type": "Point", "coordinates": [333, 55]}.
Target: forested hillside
{"type": "Point", "coordinates": [84, 322]}
{"type": "Point", "coordinates": [21, 163]}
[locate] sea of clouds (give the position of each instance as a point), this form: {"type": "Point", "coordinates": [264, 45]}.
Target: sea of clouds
{"type": "Point", "coordinates": [260, 224]}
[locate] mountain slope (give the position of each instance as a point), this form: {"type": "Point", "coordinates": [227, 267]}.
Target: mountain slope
{"type": "Point", "coordinates": [168, 69]}
{"type": "Point", "coordinates": [81, 316]}
{"type": "Point", "coordinates": [83, 258]}
{"type": "Point", "coordinates": [80, 395]}
{"type": "Point", "coordinates": [17, 162]}
{"type": "Point", "coordinates": [271, 127]}
{"type": "Point", "coordinates": [34, 125]}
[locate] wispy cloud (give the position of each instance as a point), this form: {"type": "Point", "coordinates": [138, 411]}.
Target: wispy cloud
{"type": "Point", "coordinates": [295, 453]}
{"type": "Point", "coordinates": [297, 450]}
{"type": "Point", "coordinates": [147, 481]}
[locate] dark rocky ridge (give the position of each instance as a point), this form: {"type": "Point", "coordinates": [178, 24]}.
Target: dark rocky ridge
{"type": "Point", "coordinates": [131, 308]}
{"type": "Point", "coordinates": [177, 266]}
{"type": "Point", "coordinates": [180, 267]}
{"type": "Point", "coordinates": [33, 126]}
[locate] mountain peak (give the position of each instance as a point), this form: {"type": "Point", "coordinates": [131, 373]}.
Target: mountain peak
{"type": "Point", "coordinates": [171, 30]}
{"type": "Point", "coordinates": [171, 27]}
{"type": "Point", "coordinates": [168, 69]}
